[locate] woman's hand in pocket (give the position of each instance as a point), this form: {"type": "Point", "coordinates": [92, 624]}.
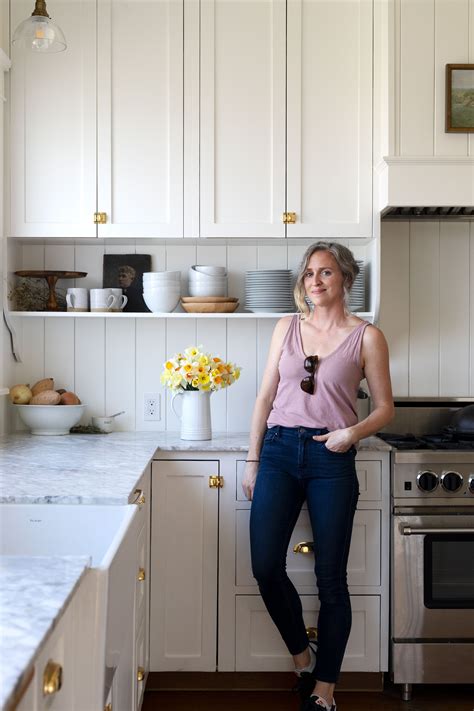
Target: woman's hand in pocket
{"type": "Point", "coordinates": [337, 440]}
{"type": "Point", "coordinates": [250, 477]}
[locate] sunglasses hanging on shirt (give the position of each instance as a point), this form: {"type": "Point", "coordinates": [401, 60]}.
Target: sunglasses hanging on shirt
{"type": "Point", "coordinates": [310, 364]}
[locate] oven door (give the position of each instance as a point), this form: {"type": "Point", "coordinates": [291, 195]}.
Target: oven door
{"type": "Point", "coordinates": [433, 576]}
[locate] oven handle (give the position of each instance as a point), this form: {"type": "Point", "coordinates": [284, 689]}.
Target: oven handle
{"type": "Point", "coordinates": [409, 531]}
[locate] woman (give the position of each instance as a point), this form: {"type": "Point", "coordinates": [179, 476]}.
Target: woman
{"type": "Point", "coordinates": [306, 419]}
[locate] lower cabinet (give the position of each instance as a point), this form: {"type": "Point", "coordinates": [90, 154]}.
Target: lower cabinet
{"type": "Point", "coordinates": [206, 611]}
{"type": "Point", "coordinates": [258, 646]}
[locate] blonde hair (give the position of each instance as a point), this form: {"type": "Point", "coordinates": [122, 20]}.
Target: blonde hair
{"type": "Point", "coordinates": [345, 261]}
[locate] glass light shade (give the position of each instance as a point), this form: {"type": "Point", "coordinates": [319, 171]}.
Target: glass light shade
{"type": "Point", "coordinates": [40, 34]}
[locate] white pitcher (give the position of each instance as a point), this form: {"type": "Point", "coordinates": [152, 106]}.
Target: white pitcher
{"type": "Point", "coordinates": [195, 414]}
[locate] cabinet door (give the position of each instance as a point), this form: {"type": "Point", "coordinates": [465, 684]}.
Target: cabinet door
{"type": "Point", "coordinates": [242, 120]}
{"type": "Point", "coordinates": [329, 129]}
{"type": "Point", "coordinates": [259, 646]}
{"type": "Point", "coordinates": [140, 119]}
{"type": "Point", "coordinates": [59, 649]}
{"type": "Point", "coordinates": [53, 133]}
{"type": "Point", "coordinates": [183, 609]}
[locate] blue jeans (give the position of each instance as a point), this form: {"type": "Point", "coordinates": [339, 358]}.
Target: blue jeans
{"type": "Point", "coordinates": [294, 467]}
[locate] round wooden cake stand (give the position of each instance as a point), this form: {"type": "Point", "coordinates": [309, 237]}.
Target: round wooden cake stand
{"type": "Point", "coordinates": [51, 277]}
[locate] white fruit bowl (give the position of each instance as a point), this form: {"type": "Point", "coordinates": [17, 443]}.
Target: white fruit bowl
{"type": "Point", "coordinates": [50, 419]}
{"type": "Point", "coordinates": [161, 302]}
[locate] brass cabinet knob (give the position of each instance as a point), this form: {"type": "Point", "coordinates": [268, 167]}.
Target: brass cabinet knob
{"type": "Point", "coordinates": [312, 632]}
{"type": "Point", "coordinates": [216, 482]}
{"type": "Point", "coordinates": [139, 497]}
{"type": "Point", "coordinates": [289, 218]}
{"type": "Point", "coordinates": [141, 574]}
{"type": "Point", "coordinates": [52, 678]}
{"type": "Point", "coordinates": [108, 707]}
{"type": "Point", "coordinates": [304, 547]}
{"type": "Point", "coordinates": [140, 673]}
{"type": "Point", "coordinates": [100, 218]}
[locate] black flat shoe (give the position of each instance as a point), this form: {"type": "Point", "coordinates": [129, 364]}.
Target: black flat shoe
{"type": "Point", "coordinates": [305, 685]}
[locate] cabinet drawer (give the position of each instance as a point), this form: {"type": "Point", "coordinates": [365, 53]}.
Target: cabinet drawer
{"type": "Point", "coordinates": [140, 664]}
{"type": "Point", "coordinates": [369, 474]}
{"type": "Point", "coordinates": [142, 576]}
{"type": "Point", "coordinates": [58, 650]}
{"type": "Point", "coordinates": [363, 566]}
{"type": "Point", "coordinates": [259, 646]}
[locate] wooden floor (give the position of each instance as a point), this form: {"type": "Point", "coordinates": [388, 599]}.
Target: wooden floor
{"type": "Point", "coordinates": [425, 698]}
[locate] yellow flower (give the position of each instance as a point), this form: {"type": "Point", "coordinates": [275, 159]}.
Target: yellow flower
{"type": "Point", "coordinates": [204, 378]}
{"type": "Point", "coordinates": [203, 360]}
{"type": "Point", "coordinates": [195, 382]}
{"type": "Point", "coordinates": [169, 365]}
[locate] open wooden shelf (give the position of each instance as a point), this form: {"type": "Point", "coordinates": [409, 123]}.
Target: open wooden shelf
{"type": "Point", "coordinates": [368, 316]}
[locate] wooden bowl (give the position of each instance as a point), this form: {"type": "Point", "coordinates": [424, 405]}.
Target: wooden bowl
{"type": "Point", "coordinates": [207, 299]}
{"type": "Point", "coordinates": [207, 307]}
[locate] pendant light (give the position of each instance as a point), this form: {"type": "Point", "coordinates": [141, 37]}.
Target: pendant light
{"type": "Point", "coordinates": [39, 33]}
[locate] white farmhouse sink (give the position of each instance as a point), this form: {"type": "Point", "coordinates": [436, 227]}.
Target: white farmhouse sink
{"type": "Point", "coordinates": [61, 529]}
{"type": "Point", "coordinates": [108, 534]}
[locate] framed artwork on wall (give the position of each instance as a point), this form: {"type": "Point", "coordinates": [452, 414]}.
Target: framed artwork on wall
{"type": "Point", "coordinates": [459, 98]}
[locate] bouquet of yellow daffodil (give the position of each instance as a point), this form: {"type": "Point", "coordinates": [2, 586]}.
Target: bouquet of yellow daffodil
{"type": "Point", "coordinates": [196, 370]}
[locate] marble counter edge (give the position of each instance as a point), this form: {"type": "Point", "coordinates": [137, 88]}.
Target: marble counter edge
{"type": "Point", "coordinates": [12, 693]}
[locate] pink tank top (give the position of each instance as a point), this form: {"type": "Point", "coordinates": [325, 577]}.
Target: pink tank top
{"type": "Point", "coordinates": [334, 401]}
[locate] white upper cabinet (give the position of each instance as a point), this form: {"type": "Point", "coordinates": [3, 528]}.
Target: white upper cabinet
{"type": "Point", "coordinates": [242, 171]}
{"type": "Point", "coordinates": [103, 136]}
{"type": "Point", "coordinates": [53, 128]}
{"type": "Point", "coordinates": [286, 118]}
{"type": "Point", "coordinates": [140, 118]}
{"type": "Point", "coordinates": [329, 118]}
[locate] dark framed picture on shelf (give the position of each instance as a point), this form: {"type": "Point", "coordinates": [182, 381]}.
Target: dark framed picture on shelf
{"type": "Point", "coordinates": [125, 271]}
{"type": "Point", "coordinates": [460, 98]}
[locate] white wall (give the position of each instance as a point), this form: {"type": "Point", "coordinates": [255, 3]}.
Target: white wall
{"type": "Point", "coordinates": [427, 306]}
{"type": "Point", "coordinates": [4, 44]}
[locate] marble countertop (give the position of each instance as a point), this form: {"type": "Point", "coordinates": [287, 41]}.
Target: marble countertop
{"type": "Point", "coordinates": [98, 469]}
{"type": "Point", "coordinates": [34, 593]}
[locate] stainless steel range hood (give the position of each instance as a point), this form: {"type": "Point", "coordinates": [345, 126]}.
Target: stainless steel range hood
{"type": "Point", "coordinates": [428, 213]}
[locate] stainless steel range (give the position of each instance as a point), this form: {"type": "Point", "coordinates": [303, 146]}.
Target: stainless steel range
{"type": "Point", "coordinates": [432, 566]}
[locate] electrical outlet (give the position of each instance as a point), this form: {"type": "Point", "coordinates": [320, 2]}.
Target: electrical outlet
{"type": "Point", "coordinates": [151, 407]}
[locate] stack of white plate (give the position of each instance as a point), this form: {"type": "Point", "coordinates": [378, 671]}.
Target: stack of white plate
{"type": "Point", "coordinates": [357, 295]}
{"type": "Point", "coordinates": [269, 290]}
{"type": "Point", "coordinates": [161, 291]}
{"type": "Point", "coordinates": [207, 280]}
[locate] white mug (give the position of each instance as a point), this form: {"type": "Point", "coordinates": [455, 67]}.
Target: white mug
{"type": "Point", "coordinates": [77, 299]}
{"type": "Point", "coordinates": [102, 300]}
{"type": "Point", "coordinates": [121, 299]}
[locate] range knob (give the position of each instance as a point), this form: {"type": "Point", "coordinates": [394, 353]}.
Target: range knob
{"type": "Point", "coordinates": [427, 480]}
{"type": "Point", "coordinates": [451, 481]}
{"type": "Point", "coordinates": [471, 484]}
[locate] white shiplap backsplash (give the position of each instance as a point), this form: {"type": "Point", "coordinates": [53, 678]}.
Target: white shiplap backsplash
{"type": "Point", "coordinates": [111, 363]}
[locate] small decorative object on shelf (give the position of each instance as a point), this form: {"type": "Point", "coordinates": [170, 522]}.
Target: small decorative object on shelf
{"type": "Point", "coordinates": [194, 375]}
{"type": "Point", "coordinates": [51, 277]}
{"type": "Point", "coordinates": [125, 271]}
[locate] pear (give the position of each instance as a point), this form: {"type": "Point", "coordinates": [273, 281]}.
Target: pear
{"type": "Point", "coordinates": [20, 394]}
{"type": "Point", "coordinates": [45, 384]}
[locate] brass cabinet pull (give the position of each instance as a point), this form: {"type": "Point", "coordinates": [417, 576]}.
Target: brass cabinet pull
{"type": "Point", "coordinates": [289, 218]}
{"type": "Point", "coordinates": [140, 674]}
{"type": "Point", "coordinates": [100, 218]}
{"type": "Point", "coordinates": [312, 632]}
{"type": "Point", "coordinates": [108, 707]}
{"type": "Point", "coordinates": [141, 574]}
{"type": "Point", "coordinates": [304, 547]}
{"type": "Point", "coordinates": [52, 678]}
{"type": "Point", "coordinates": [216, 482]}
{"type": "Point", "coordinates": [139, 497]}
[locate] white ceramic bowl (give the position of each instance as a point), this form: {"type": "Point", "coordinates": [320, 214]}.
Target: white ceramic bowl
{"type": "Point", "coordinates": [106, 424]}
{"type": "Point", "coordinates": [203, 290]}
{"type": "Point", "coordinates": [161, 303]}
{"type": "Point", "coordinates": [50, 419]}
{"type": "Point", "coordinates": [162, 280]}
{"type": "Point", "coordinates": [161, 275]}
{"type": "Point", "coordinates": [213, 271]}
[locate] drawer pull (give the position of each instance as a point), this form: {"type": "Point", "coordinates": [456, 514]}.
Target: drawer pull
{"type": "Point", "coordinates": [216, 482]}
{"type": "Point", "coordinates": [108, 707]}
{"type": "Point", "coordinates": [52, 678]}
{"type": "Point", "coordinates": [140, 673]}
{"type": "Point", "coordinates": [139, 497]}
{"type": "Point", "coordinates": [141, 574]}
{"type": "Point", "coordinates": [312, 633]}
{"type": "Point", "coordinates": [304, 547]}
